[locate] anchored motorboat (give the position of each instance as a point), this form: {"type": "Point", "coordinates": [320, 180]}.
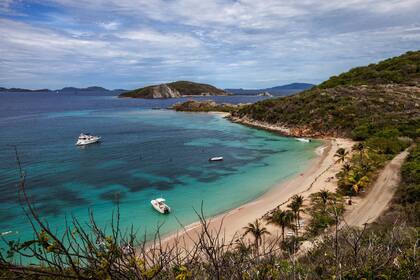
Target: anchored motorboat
{"type": "Point", "coordinates": [216, 159]}
{"type": "Point", "coordinates": [305, 140]}
{"type": "Point", "coordinates": [86, 139]}
{"type": "Point", "coordinates": [160, 206]}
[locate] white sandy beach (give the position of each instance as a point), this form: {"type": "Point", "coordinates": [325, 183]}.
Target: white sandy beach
{"type": "Point", "coordinates": [320, 175]}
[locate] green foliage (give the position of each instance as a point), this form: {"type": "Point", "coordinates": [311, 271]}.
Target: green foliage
{"type": "Point", "coordinates": [401, 69]}
{"type": "Point", "coordinates": [411, 168]}
{"type": "Point", "coordinates": [407, 198]}
{"type": "Point", "coordinates": [283, 219]}
{"type": "Point", "coordinates": [326, 208]}
{"type": "Point", "coordinates": [350, 110]}
{"type": "Point", "coordinates": [362, 132]}
{"type": "Point", "coordinates": [388, 146]}
{"type": "Point", "coordinates": [182, 273]}
{"type": "Point", "coordinates": [372, 253]}
{"type": "Point", "coordinates": [203, 106]}
{"type": "Point", "coordinates": [191, 88]}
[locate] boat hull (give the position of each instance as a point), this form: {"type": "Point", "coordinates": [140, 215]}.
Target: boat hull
{"type": "Point", "coordinates": [88, 142]}
{"type": "Point", "coordinates": [216, 159]}
{"type": "Point", "coordinates": [304, 140]}
{"type": "Point", "coordinates": [164, 210]}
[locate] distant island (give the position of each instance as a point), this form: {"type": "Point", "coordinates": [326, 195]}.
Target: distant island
{"type": "Point", "coordinates": [3, 89]}
{"type": "Point", "coordinates": [65, 90]}
{"type": "Point", "coordinates": [87, 89]}
{"type": "Point", "coordinates": [175, 90]}
{"type": "Point", "coordinates": [172, 90]}
{"type": "Point", "coordinates": [283, 90]}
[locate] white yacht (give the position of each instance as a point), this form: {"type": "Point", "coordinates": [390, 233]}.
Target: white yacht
{"type": "Point", "coordinates": [160, 206]}
{"type": "Point", "coordinates": [216, 159]}
{"type": "Point", "coordinates": [305, 140]}
{"type": "Point", "coordinates": [85, 139]}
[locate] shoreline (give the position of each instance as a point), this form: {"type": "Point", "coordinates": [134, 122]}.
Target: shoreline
{"type": "Point", "coordinates": [318, 175]}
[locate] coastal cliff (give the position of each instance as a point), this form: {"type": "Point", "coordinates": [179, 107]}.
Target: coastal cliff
{"type": "Point", "coordinates": [161, 91]}
{"type": "Point", "coordinates": [175, 90]}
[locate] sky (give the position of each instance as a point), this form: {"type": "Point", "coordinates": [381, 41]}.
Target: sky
{"type": "Point", "coordinates": [230, 44]}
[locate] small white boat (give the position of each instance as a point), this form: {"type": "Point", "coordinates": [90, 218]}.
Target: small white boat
{"type": "Point", "coordinates": [303, 140]}
{"type": "Point", "coordinates": [216, 159]}
{"type": "Point", "coordinates": [160, 206]}
{"type": "Point", "coordinates": [86, 139]}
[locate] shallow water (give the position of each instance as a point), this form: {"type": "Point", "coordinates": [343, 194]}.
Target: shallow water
{"type": "Point", "coordinates": [144, 154]}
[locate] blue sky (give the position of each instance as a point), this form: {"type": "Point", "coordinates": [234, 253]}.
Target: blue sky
{"type": "Point", "coordinates": [249, 44]}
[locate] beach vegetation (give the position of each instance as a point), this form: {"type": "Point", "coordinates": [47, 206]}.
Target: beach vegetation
{"type": "Point", "coordinates": [283, 219]}
{"type": "Point", "coordinates": [341, 154]}
{"type": "Point", "coordinates": [325, 209]}
{"type": "Point", "coordinates": [296, 206]}
{"type": "Point", "coordinates": [257, 230]}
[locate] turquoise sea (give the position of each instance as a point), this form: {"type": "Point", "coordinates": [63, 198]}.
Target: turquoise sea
{"type": "Point", "coordinates": [144, 154]}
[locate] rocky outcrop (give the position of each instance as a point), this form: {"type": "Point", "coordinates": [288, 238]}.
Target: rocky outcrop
{"type": "Point", "coordinates": [162, 91]}
{"type": "Point", "coordinates": [265, 93]}
{"type": "Point", "coordinates": [293, 131]}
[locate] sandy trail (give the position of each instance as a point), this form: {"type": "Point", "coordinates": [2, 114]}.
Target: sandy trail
{"type": "Point", "coordinates": [369, 208]}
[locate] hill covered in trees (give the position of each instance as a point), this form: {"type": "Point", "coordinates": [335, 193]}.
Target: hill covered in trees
{"type": "Point", "coordinates": [174, 90]}
{"type": "Point", "coordinates": [402, 69]}
{"type": "Point", "coordinates": [358, 104]}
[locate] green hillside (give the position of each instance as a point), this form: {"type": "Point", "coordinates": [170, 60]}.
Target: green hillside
{"type": "Point", "coordinates": [404, 69]}
{"type": "Point", "coordinates": [358, 104]}
{"type": "Point", "coordinates": [137, 93]}
{"type": "Point", "coordinates": [191, 88]}
{"type": "Point", "coordinates": [179, 88]}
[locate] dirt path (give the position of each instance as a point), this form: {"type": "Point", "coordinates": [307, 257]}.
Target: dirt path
{"type": "Point", "coordinates": [367, 209]}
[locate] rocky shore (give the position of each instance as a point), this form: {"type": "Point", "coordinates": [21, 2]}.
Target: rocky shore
{"type": "Point", "coordinates": [284, 130]}
{"type": "Point", "coordinates": [205, 106]}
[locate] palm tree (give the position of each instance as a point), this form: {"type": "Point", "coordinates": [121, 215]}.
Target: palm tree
{"type": "Point", "coordinates": [346, 167]}
{"type": "Point", "coordinates": [296, 207]}
{"type": "Point", "coordinates": [324, 195]}
{"type": "Point", "coordinates": [257, 230]}
{"type": "Point", "coordinates": [357, 181]}
{"type": "Point", "coordinates": [341, 155]}
{"type": "Point", "coordinates": [282, 219]}
{"type": "Point", "coordinates": [362, 149]}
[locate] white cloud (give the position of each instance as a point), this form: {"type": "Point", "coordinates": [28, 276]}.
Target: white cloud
{"type": "Point", "coordinates": [5, 5]}
{"type": "Point", "coordinates": [231, 43]}
{"type": "Point", "coordinates": [112, 25]}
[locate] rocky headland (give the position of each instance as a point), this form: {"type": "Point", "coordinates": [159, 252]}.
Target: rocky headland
{"type": "Point", "coordinates": [205, 106]}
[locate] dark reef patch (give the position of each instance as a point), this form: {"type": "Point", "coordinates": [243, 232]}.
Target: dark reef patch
{"type": "Point", "coordinates": [115, 196]}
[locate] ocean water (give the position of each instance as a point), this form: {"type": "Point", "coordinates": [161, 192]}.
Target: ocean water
{"type": "Point", "coordinates": [144, 154]}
